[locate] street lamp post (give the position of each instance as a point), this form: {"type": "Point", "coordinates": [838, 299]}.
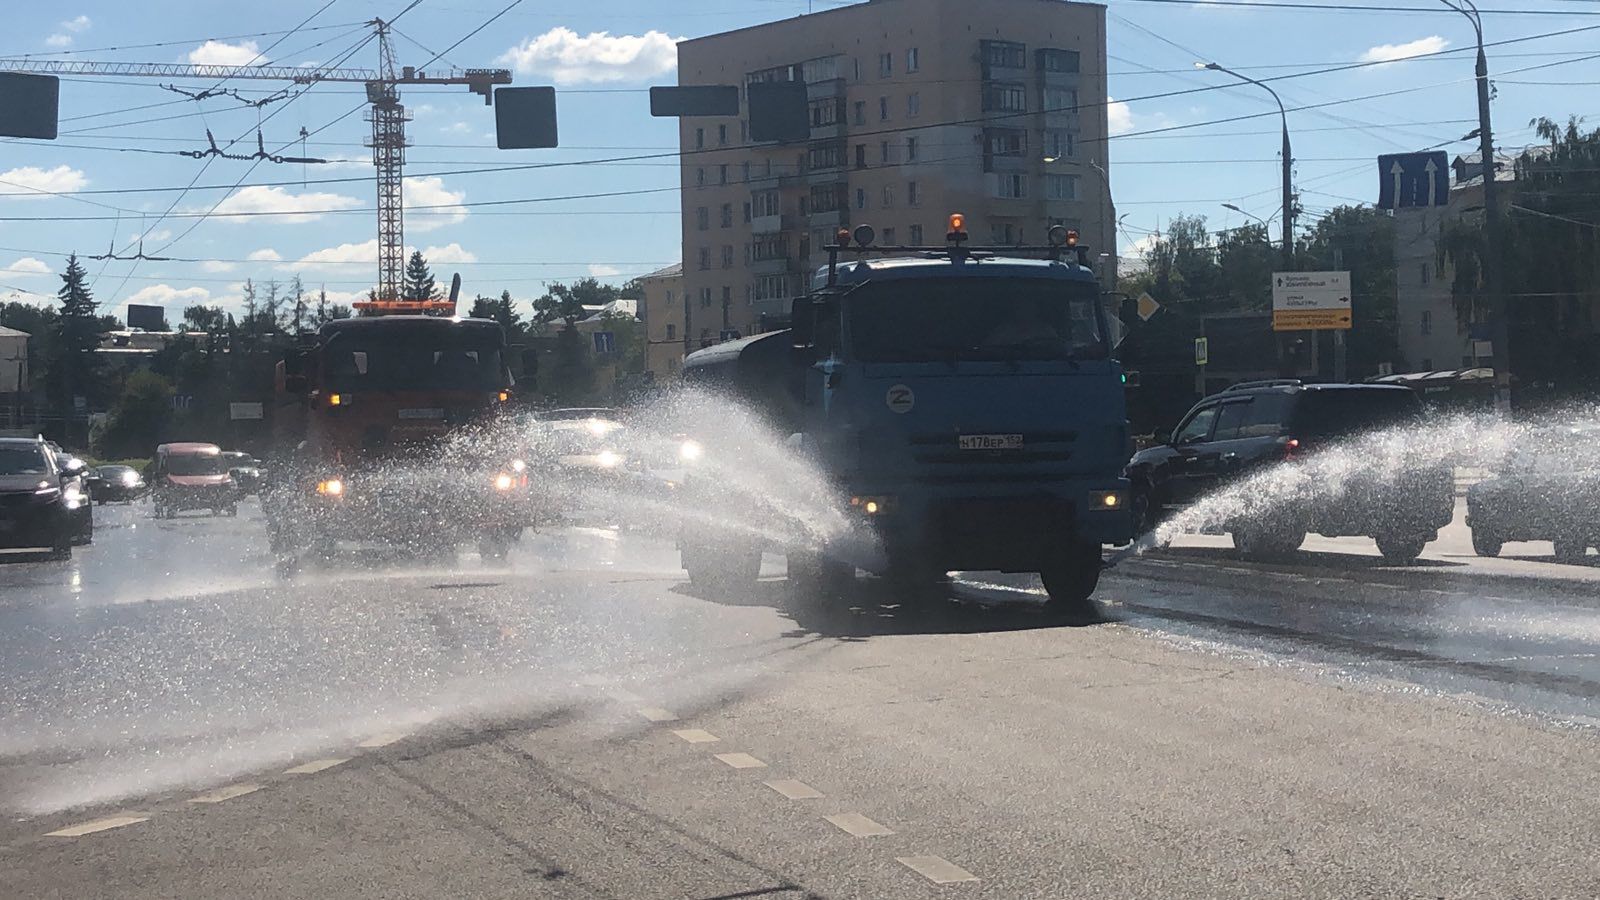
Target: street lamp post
{"type": "Point", "coordinates": [1288, 161]}
{"type": "Point", "coordinates": [1107, 225]}
{"type": "Point", "coordinates": [1493, 284]}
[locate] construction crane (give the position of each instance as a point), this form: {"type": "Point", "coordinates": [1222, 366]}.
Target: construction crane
{"type": "Point", "coordinates": [387, 115]}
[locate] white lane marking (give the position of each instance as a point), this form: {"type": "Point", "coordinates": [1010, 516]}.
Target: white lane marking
{"type": "Point", "coordinates": [741, 760]}
{"type": "Point", "coordinates": [657, 714]}
{"type": "Point", "coordinates": [382, 740]}
{"type": "Point", "coordinates": [697, 736]}
{"type": "Point", "coordinates": [794, 790]}
{"type": "Point", "coordinates": [858, 825]}
{"type": "Point", "coordinates": [98, 825]}
{"type": "Point", "coordinates": [936, 869]}
{"type": "Point", "coordinates": [315, 766]}
{"type": "Point", "coordinates": [227, 793]}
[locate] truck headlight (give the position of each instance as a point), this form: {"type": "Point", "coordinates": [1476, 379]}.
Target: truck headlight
{"type": "Point", "coordinates": [608, 459]}
{"type": "Point", "coordinates": [872, 506]}
{"type": "Point", "coordinates": [690, 451]}
{"type": "Point", "coordinates": [1107, 501]}
{"type": "Point", "coordinates": [331, 487]}
{"type": "Point", "coordinates": [504, 482]}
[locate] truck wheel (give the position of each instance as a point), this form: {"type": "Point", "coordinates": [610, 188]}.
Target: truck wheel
{"type": "Point", "coordinates": [495, 546]}
{"type": "Point", "coordinates": [1267, 542]}
{"type": "Point", "coordinates": [1571, 551]}
{"type": "Point", "coordinates": [1401, 551]}
{"type": "Point", "coordinates": [722, 569]}
{"type": "Point", "coordinates": [1486, 544]}
{"type": "Point", "coordinates": [813, 576]}
{"type": "Point", "coordinates": [1071, 582]}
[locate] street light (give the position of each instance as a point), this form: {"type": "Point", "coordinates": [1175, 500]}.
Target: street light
{"type": "Point", "coordinates": [1248, 215]}
{"type": "Point", "coordinates": [1288, 160]}
{"type": "Point", "coordinates": [1499, 325]}
{"type": "Point", "coordinates": [1107, 227]}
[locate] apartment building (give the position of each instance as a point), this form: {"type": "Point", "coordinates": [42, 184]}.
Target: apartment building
{"type": "Point", "coordinates": [918, 108]}
{"type": "Point", "coordinates": [662, 312]}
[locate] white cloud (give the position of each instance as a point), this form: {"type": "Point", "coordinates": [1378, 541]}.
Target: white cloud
{"type": "Point", "coordinates": [601, 270]}
{"type": "Point", "coordinates": [61, 179]}
{"type": "Point", "coordinates": [570, 58]}
{"type": "Point", "coordinates": [265, 254]}
{"type": "Point", "coordinates": [27, 265]}
{"type": "Point", "coordinates": [220, 53]}
{"type": "Point", "coordinates": [1393, 52]}
{"type": "Point", "coordinates": [58, 40]}
{"type": "Point", "coordinates": [448, 254]}
{"type": "Point", "coordinates": [80, 23]}
{"type": "Point", "coordinates": [217, 265]}
{"type": "Point", "coordinates": [160, 234]}
{"type": "Point", "coordinates": [260, 199]}
{"type": "Point", "coordinates": [457, 128]}
{"type": "Point", "coordinates": [366, 254]}
{"type": "Point", "coordinates": [1119, 118]}
{"type": "Point", "coordinates": [429, 190]}
{"type": "Point", "coordinates": [167, 295]}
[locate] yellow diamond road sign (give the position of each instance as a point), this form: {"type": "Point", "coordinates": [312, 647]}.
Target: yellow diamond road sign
{"type": "Point", "coordinates": [1148, 306]}
{"type": "Point", "coordinates": [1311, 301]}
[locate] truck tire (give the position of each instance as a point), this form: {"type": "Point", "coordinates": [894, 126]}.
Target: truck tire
{"type": "Point", "coordinates": [1071, 582]}
{"type": "Point", "coordinates": [813, 576]}
{"type": "Point", "coordinates": [1486, 544]}
{"type": "Point", "coordinates": [1401, 550]}
{"type": "Point", "coordinates": [721, 569]}
{"type": "Point", "coordinates": [1571, 551]}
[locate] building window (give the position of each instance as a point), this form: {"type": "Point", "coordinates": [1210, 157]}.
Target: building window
{"type": "Point", "coordinates": [889, 237]}
{"type": "Point", "coordinates": [860, 116]}
{"type": "Point", "coordinates": [702, 218]}
{"type": "Point", "coordinates": [722, 173]}
{"type": "Point", "coordinates": [883, 109]}
{"type": "Point", "coordinates": [770, 287]}
{"type": "Point", "coordinates": [861, 198]}
{"type": "Point", "coordinates": [768, 203]}
{"type": "Point", "coordinates": [1003, 233]}
{"type": "Point", "coordinates": [727, 256]}
{"type": "Point", "coordinates": [912, 62]}
{"type": "Point", "coordinates": [745, 171]}
{"type": "Point", "coordinates": [885, 65]}
{"type": "Point", "coordinates": [827, 197]}
{"type": "Point", "coordinates": [1051, 60]}
{"type": "Point", "coordinates": [913, 105]}
{"type": "Point", "coordinates": [1010, 186]}
{"type": "Point", "coordinates": [1005, 142]}
{"type": "Point", "coordinates": [705, 258]}
{"type": "Point", "coordinates": [1426, 326]}
{"type": "Point", "coordinates": [727, 215]}
{"type": "Point", "coordinates": [722, 135]}
{"type": "Point", "coordinates": [1005, 54]}
{"type": "Point", "coordinates": [916, 235]}
{"type": "Point", "coordinates": [672, 330]}
{"type": "Point", "coordinates": [883, 151]}
{"type": "Point", "coordinates": [727, 296]}
{"type": "Point", "coordinates": [861, 156]}
{"type": "Point", "coordinates": [700, 177]}
{"type": "Point", "coordinates": [826, 111]}
{"type": "Point", "coordinates": [747, 212]}
{"type": "Point", "coordinates": [825, 156]}
{"type": "Point", "coordinates": [1061, 187]}
{"type": "Point", "coordinates": [913, 194]}
{"type": "Point", "coordinates": [1426, 274]}
{"type": "Point", "coordinates": [699, 138]}
{"type": "Point", "coordinates": [1060, 99]}
{"type": "Point", "coordinates": [705, 297]}
{"type": "Point", "coordinates": [888, 196]}
{"type": "Point", "coordinates": [1058, 144]}
{"type": "Point", "coordinates": [1005, 96]}
{"type": "Point", "coordinates": [911, 149]}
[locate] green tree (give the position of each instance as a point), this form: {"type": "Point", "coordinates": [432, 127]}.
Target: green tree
{"type": "Point", "coordinates": [417, 282]}
{"type": "Point", "coordinates": [1360, 239]}
{"type": "Point", "coordinates": [209, 319]}
{"type": "Point", "coordinates": [140, 417]}
{"type": "Point", "coordinates": [74, 370]}
{"type": "Point", "coordinates": [1246, 260]}
{"type": "Point", "coordinates": [502, 309]}
{"type": "Point", "coordinates": [566, 302]}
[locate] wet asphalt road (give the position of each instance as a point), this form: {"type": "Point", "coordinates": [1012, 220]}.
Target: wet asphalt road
{"type": "Point", "coordinates": [176, 721]}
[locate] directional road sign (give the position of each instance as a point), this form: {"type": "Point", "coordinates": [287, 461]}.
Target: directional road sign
{"type": "Point", "coordinates": [1413, 179]}
{"type": "Point", "coordinates": [1311, 301]}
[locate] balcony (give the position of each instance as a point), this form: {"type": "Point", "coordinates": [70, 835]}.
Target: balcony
{"type": "Point", "coordinates": [782, 265]}
{"type": "Point", "coordinates": [831, 218]}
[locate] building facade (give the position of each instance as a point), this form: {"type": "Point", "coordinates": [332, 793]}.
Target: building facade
{"type": "Point", "coordinates": [662, 311]}
{"type": "Point", "coordinates": [918, 108]}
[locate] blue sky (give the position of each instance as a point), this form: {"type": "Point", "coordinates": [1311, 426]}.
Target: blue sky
{"type": "Point", "coordinates": [119, 133]}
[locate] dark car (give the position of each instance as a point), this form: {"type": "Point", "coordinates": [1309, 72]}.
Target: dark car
{"type": "Point", "coordinates": [80, 506]}
{"type": "Point", "coordinates": [1548, 489]}
{"type": "Point", "coordinates": [37, 500]}
{"type": "Point", "coordinates": [115, 484]}
{"type": "Point", "coordinates": [1257, 425]}
{"type": "Point", "coordinates": [244, 469]}
{"type": "Point", "coordinates": [594, 466]}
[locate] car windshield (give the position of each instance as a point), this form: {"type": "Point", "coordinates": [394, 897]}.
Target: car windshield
{"type": "Point", "coordinates": [949, 319]}
{"type": "Point", "coordinates": [16, 460]}
{"type": "Point", "coordinates": [196, 464]}
{"type": "Point", "coordinates": [1350, 411]}
{"type": "Point", "coordinates": [423, 359]}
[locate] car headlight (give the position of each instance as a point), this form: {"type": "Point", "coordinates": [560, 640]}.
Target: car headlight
{"type": "Point", "coordinates": [73, 494]}
{"type": "Point", "coordinates": [504, 482]}
{"type": "Point", "coordinates": [129, 479]}
{"type": "Point", "coordinates": [332, 487]}
{"type": "Point", "coordinates": [690, 451]}
{"type": "Point", "coordinates": [608, 459]}
{"type": "Point", "coordinates": [1107, 500]}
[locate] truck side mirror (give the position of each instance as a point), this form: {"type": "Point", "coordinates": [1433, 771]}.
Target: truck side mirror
{"type": "Point", "coordinates": [803, 322]}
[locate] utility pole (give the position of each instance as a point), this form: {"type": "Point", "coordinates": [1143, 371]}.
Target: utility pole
{"type": "Point", "coordinates": [1498, 306]}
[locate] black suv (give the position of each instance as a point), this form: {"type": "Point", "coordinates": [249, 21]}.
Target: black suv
{"type": "Point", "coordinates": [1259, 424]}
{"type": "Point", "coordinates": [37, 499]}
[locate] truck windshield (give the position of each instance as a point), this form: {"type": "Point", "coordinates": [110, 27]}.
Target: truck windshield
{"type": "Point", "coordinates": [442, 362]}
{"type": "Point", "coordinates": [929, 320]}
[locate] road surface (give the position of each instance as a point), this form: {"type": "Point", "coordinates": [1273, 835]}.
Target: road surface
{"type": "Point", "coordinates": [175, 721]}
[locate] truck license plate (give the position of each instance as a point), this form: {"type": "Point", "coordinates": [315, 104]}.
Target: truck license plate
{"type": "Point", "coordinates": [421, 413]}
{"type": "Point", "coordinates": [990, 441]}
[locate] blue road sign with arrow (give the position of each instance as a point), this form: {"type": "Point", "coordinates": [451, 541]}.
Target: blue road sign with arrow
{"type": "Point", "coordinates": [1413, 179]}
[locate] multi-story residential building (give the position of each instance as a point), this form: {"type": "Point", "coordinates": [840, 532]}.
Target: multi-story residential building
{"type": "Point", "coordinates": [662, 311]}
{"type": "Point", "coordinates": [918, 109]}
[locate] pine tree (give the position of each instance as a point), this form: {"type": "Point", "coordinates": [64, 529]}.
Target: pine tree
{"type": "Point", "coordinates": [418, 283]}
{"type": "Point", "coordinates": [78, 335]}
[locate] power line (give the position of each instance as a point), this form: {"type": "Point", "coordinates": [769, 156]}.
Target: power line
{"type": "Point", "coordinates": [223, 37]}
{"type": "Point", "coordinates": [1351, 7]}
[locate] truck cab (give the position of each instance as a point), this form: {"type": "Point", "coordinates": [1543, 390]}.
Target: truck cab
{"type": "Point", "coordinates": [964, 403]}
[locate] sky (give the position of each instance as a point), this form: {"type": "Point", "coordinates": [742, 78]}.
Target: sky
{"type": "Point", "coordinates": [115, 176]}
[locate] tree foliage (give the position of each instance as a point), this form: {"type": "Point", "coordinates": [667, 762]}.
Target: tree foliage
{"type": "Point", "coordinates": [140, 417]}
{"type": "Point", "coordinates": [73, 370]}
{"type": "Point", "coordinates": [418, 283]}
{"type": "Point", "coordinates": [501, 309]}
{"type": "Point", "coordinates": [566, 302]}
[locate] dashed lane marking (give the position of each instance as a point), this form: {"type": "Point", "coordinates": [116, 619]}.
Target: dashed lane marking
{"type": "Point", "coordinates": [657, 714]}
{"type": "Point", "coordinates": [697, 736]}
{"type": "Point", "coordinates": [315, 766]}
{"type": "Point", "coordinates": [741, 760]}
{"type": "Point", "coordinates": [936, 869]}
{"type": "Point", "coordinates": [227, 793]}
{"type": "Point", "coordinates": [98, 825]}
{"type": "Point", "coordinates": [794, 790]}
{"type": "Point", "coordinates": [382, 740]}
{"type": "Point", "coordinates": [858, 825]}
